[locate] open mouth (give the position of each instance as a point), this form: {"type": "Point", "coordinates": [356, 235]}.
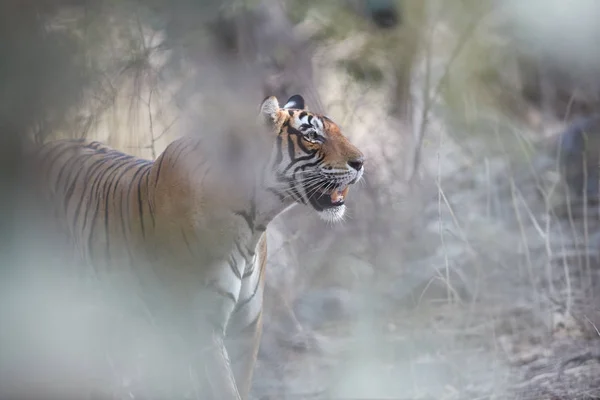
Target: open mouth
{"type": "Point", "coordinates": [330, 198]}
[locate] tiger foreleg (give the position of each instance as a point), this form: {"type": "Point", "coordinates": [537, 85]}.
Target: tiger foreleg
{"type": "Point", "coordinates": [209, 355]}
{"type": "Point", "coordinates": [217, 377]}
{"type": "Point", "coordinates": [243, 349]}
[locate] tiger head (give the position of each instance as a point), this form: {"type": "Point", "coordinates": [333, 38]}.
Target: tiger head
{"type": "Point", "coordinates": [312, 162]}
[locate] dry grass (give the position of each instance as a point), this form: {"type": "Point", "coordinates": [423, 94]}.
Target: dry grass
{"type": "Point", "coordinates": [503, 292]}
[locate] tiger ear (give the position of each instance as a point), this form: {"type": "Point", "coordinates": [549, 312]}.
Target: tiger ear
{"type": "Point", "coordinates": [269, 109]}
{"type": "Point", "coordinates": [296, 101]}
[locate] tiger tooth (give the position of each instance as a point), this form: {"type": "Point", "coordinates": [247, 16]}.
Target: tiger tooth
{"type": "Point", "coordinates": [345, 192]}
{"type": "Point", "coordinates": [337, 196]}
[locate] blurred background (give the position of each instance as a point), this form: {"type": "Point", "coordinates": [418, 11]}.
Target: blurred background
{"type": "Point", "coordinates": [466, 268]}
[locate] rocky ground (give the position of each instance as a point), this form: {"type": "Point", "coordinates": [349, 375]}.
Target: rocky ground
{"type": "Point", "coordinates": [448, 351]}
{"type": "Point", "coordinates": [465, 364]}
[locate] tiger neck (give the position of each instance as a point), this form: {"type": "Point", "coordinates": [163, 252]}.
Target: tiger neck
{"type": "Point", "coordinates": [263, 203]}
{"type": "Point", "coordinates": [251, 169]}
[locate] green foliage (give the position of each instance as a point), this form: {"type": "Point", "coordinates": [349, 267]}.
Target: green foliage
{"type": "Point", "coordinates": [478, 82]}
{"type": "Point", "coordinates": [362, 70]}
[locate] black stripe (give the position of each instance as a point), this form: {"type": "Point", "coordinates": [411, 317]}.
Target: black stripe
{"type": "Point", "coordinates": [293, 131]}
{"type": "Point", "coordinates": [246, 217]}
{"type": "Point", "coordinates": [291, 149]}
{"type": "Point", "coordinates": [295, 193]}
{"type": "Point", "coordinates": [296, 197]}
{"type": "Point", "coordinates": [95, 145]}
{"type": "Point", "coordinates": [300, 159]}
{"type": "Point", "coordinates": [250, 216]}
{"type": "Point", "coordinates": [51, 163]}
{"type": "Point", "coordinates": [106, 192]}
{"type": "Point", "coordinates": [305, 149]}
{"type": "Point", "coordinates": [249, 271]}
{"type": "Point", "coordinates": [186, 241]}
{"type": "Point", "coordinates": [115, 186]}
{"type": "Point", "coordinates": [68, 163]}
{"type": "Point", "coordinates": [107, 186]}
{"type": "Point", "coordinates": [150, 208]}
{"type": "Point", "coordinates": [52, 149]}
{"type": "Point", "coordinates": [199, 166]}
{"type": "Point", "coordinates": [162, 158]}
{"type": "Point", "coordinates": [129, 189]}
{"type": "Point", "coordinates": [97, 180]}
{"type": "Point", "coordinates": [241, 304]}
{"type": "Point", "coordinates": [71, 188]}
{"type": "Point", "coordinates": [233, 265]}
{"type": "Point", "coordinates": [239, 249]}
{"type": "Point", "coordinates": [278, 194]}
{"type": "Point", "coordinates": [299, 135]}
{"type": "Point", "coordinates": [96, 194]}
{"type": "Point", "coordinates": [302, 167]}
{"type": "Point", "coordinates": [125, 228]}
{"type": "Point", "coordinates": [198, 143]}
{"type": "Point", "coordinates": [251, 266]}
{"type": "Point", "coordinates": [140, 204]}
{"type": "Point", "coordinates": [175, 157]}
{"type": "Point", "coordinates": [89, 173]}
{"type": "Point", "coordinates": [215, 287]}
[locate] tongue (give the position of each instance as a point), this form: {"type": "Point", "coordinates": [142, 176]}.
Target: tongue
{"type": "Point", "coordinates": [337, 196]}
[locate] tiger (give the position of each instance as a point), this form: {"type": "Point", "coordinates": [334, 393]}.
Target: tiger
{"type": "Point", "coordinates": [188, 229]}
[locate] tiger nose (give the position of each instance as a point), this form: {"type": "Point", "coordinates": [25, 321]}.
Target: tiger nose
{"type": "Point", "coordinates": [357, 163]}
